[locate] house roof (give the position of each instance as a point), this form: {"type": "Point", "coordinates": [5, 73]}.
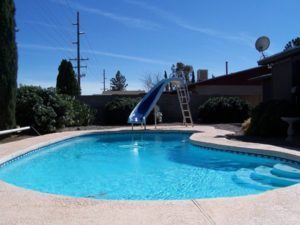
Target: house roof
{"type": "Point", "coordinates": [265, 76]}
{"type": "Point", "coordinates": [137, 92]}
{"type": "Point", "coordinates": [280, 56]}
{"type": "Point", "coordinates": [237, 78]}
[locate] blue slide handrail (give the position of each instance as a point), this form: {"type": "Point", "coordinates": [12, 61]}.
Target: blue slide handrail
{"type": "Point", "coordinates": [144, 107]}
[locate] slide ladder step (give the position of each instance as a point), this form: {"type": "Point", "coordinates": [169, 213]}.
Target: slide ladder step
{"type": "Point", "coordinates": [183, 98]}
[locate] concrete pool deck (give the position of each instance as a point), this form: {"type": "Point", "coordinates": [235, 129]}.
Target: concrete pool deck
{"type": "Point", "coordinates": [21, 206]}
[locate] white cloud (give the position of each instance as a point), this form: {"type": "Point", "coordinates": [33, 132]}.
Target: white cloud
{"type": "Point", "coordinates": [132, 58]}
{"type": "Point", "coordinates": [107, 54]}
{"type": "Point", "coordinates": [127, 21]}
{"type": "Point", "coordinates": [46, 25]}
{"type": "Point", "coordinates": [41, 83]}
{"type": "Point", "coordinates": [90, 88]}
{"type": "Point", "coordinates": [96, 87]}
{"type": "Point", "coordinates": [44, 47]}
{"type": "Point", "coordinates": [242, 37]}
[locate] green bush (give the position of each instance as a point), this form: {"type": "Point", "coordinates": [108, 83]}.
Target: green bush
{"type": "Point", "coordinates": [48, 111]}
{"type": "Point", "coordinates": [224, 110]}
{"type": "Point", "coordinates": [266, 118]}
{"type": "Point", "coordinates": [118, 110]}
{"type": "Point", "coordinates": [83, 114]}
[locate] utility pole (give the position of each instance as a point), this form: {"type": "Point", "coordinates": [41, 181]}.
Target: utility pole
{"type": "Point", "coordinates": [104, 78]}
{"type": "Point", "coordinates": [226, 67]}
{"type": "Point", "coordinates": [78, 59]}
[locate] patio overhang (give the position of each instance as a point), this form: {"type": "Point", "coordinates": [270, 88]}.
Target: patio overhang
{"type": "Point", "coordinates": [262, 77]}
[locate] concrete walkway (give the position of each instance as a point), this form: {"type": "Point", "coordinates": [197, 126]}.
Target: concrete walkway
{"type": "Point", "coordinates": [21, 206]}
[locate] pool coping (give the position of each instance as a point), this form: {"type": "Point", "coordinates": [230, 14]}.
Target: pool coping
{"type": "Point", "coordinates": [256, 152]}
{"type": "Point", "coordinates": [262, 152]}
{"type": "Point", "coordinates": [36, 147]}
{"type": "Point", "coordinates": [205, 207]}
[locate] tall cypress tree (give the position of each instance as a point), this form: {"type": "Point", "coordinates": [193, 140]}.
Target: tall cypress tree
{"type": "Point", "coordinates": [8, 64]}
{"type": "Point", "coordinates": [66, 82]}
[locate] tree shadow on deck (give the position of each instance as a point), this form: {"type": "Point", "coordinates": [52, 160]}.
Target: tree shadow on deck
{"type": "Point", "coordinates": [238, 135]}
{"type": "Point", "coordinates": [276, 141]}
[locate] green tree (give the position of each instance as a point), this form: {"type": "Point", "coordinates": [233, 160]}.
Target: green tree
{"type": "Point", "coordinates": [179, 69]}
{"type": "Point", "coordinates": [8, 64]}
{"type": "Point", "coordinates": [193, 76]}
{"type": "Point", "coordinates": [183, 70]}
{"type": "Point", "coordinates": [292, 44]}
{"type": "Point", "coordinates": [187, 70]}
{"type": "Point", "coordinates": [66, 83]}
{"type": "Point", "coordinates": [118, 83]}
{"type": "Point", "coordinates": [151, 80]}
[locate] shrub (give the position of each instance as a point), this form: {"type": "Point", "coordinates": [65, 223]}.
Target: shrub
{"type": "Point", "coordinates": [83, 114]}
{"type": "Point", "coordinates": [266, 118]}
{"type": "Point", "coordinates": [224, 110]}
{"type": "Point", "coordinates": [118, 110]}
{"type": "Point", "coordinates": [48, 111]}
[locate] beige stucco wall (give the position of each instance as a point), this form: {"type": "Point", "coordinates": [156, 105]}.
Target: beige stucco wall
{"type": "Point", "coordinates": [252, 94]}
{"type": "Point", "coordinates": [229, 90]}
{"type": "Point", "coordinates": [169, 104]}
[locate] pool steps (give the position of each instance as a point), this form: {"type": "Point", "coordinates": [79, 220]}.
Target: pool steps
{"type": "Point", "coordinates": [264, 178]}
{"type": "Point", "coordinates": [284, 170]}
{"type": "Point", "coordinates": [243, 177]}
{"type": "Point", "coordinates": [264, 174]}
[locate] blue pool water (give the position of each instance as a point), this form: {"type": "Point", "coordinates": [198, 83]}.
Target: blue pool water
{"type": "Point", "coordinates": [136, 166]}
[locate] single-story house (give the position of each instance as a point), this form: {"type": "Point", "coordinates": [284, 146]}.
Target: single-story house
{"type": "Point", "coordinates": [240, 84]}
{"type": "Point", "coordinates": [124, 93]}
{"type": "Point", "coordinates": [284, 80]}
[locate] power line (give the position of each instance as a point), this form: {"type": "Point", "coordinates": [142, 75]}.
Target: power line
{"type": "Point", "coordinates": [86, 42]}
{"type": "Point", "coordinates": [50, 18]}
{"type": "Point", "coordinates": [49, 37]}
{"type": "Point", "coordinates": [90, 51]}
{"type": "Point", "coordinates": [71, 11]}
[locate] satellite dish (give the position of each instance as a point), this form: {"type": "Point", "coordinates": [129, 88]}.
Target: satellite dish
{"type": "Point", "coordinates": [262, 44]}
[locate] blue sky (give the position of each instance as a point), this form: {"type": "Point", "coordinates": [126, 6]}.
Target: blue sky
{"type": "Point", "coordinates": [142, 37]}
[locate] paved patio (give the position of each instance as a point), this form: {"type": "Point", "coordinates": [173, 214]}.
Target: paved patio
{"type": "Point", "coordinates": [21, 206]}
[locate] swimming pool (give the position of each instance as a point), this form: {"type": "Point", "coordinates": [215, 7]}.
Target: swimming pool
{"type": "Point", "coordinates": [145, 166]}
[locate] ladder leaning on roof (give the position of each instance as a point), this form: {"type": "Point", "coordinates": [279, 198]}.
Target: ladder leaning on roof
{"type": "Point", "coordinates": [184, 100]}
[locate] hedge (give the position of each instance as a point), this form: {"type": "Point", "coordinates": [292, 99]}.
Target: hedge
{"type": "Point", "coordinates": [48, 111]}
{"type": "Point", "coordinates": [223, 110]}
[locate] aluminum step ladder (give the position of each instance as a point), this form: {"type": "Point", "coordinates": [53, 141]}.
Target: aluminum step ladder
{"type": "Point", "coordinates": [184, 99]}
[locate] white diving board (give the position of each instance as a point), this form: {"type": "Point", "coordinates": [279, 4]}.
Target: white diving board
{"type": "Point", "coordinates": [14, 130]}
